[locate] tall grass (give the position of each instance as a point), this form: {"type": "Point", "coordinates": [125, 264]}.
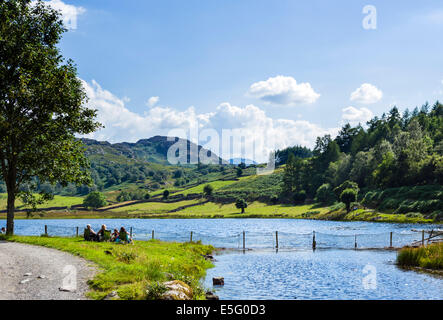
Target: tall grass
{"type": "Point", "coordinates": [430, 257]}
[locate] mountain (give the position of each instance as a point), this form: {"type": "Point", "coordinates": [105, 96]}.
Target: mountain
{"type": "Point", "coordinates": [237, 161]}
{"type": "Point", "coordinates": [152, 150]}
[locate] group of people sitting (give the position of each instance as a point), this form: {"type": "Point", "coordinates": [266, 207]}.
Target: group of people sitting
{"type": "Point", "coordinates": [104, 235]}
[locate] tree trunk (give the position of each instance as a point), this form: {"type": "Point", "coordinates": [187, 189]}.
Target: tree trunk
{"type": "Point", "coordinates": [10, 214]}
{"type": "Point", "coordinates": [242, 210]}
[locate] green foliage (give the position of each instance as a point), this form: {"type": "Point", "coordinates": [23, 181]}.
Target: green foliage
{"type": "Point", "coordinates": [325, 195]}
{"type": "Point", "coordinates": [239, 172]}
{"type": "Point", "coordinates": [241, 204]}
{"type": "Point", "coordinates": [346, 185]}
{"type": "Point", "coordinates": [429, 257]}
{"type": "Point", "coordinates": [166, 194]}
{"type": "Point", "coordinates": [208, 190]}
{"type": "Point", "coordinates": [300, 197]}
{"type": "Point", "coordinates": [42, 102]}
{"type": "Point", "coordinates": [95, 200]}
{"type": "Point", "coordinates": [348, 196]}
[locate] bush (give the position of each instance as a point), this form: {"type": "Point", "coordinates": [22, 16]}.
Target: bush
{"type": "Point", "coordinates": [95, 200]}
{"type": "Point", "coordinates": [347, 197]}
{"type": "Point", "coordinates": [325, 195]}
{"type": "Point", "coordinates": [300, 196]}
{"type": "Point", "coordinates": [274, 199]}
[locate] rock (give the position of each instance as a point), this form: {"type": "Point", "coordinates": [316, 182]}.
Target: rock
{"type": "Point", "coordinates": [41, 277]}
{"type": "Point", "coordinates": [112, 296]}
{"type": "Point", "coordinates": [209, 257]}
{"type": "Point", "coordinates": [219, 281]}
{"type": "Point", "coordinates": [66, 289]}
{"type": "Point", "coordinates": [177, 290]}
{"type": "Point", "coordinates": [28, 274]}
{"type": "Point", "coordinates": [211, 296]}
{"type": "Point", "coordinates": [25, 281]}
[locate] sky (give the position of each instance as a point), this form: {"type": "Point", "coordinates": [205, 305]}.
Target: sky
{"type": "Point", "coordinates": [286, 70]}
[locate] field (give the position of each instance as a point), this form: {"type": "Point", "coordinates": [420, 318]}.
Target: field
{"type": "Point", "coordinates": [131, 270]}
{"type": "Point", "coordinates": [58, 201]}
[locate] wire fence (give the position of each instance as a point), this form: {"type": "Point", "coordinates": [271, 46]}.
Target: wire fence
{"type": "Point", "coordinates": [275, 240]}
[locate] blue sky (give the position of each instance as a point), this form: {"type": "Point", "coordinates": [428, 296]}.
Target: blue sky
{"type": "Point", "coordinates": [204, 53]}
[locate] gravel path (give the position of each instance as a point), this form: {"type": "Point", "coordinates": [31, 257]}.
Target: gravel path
{"type": "Point", "coordinates": [37, 273]}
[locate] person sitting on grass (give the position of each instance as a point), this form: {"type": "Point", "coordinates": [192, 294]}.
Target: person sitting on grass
{"type": "Point", "coordinates": [101, 234]}
{"type": "Point", "coordinates": [3, 231]}
{"type": "Point", "coordinates": [123, 236]}
{"type": "Point", "coordinates": [90, 234]}
{"type": "Point", "coordinates": [114, 235]}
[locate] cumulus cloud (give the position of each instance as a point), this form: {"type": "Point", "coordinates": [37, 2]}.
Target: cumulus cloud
{"type": "Point", "coordinates": [152, 101]}
{"type": "Point", "coordinates": [69, 12]}
{"type": "Point", "coordinates": [284, 91]}
{"type": "Point", "coordinates": [122, 124]}
{"type": "Point", "coordinates": [367, 94]}
{"type": "Point", "coordinates": [355, 116]}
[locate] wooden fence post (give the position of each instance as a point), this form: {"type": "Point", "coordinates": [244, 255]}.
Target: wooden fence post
{"type": "Point", "coordinates": [355, 245]}
{"type": "Point", "coordinates": [76, 232]}
{"type": "Point", "coordinates": [276, 240]}
{"type": "Point", "coordinates": [244, 240]}
{"type": "Point", "coordinates": [390, 241]}
{"type": "Point", "coordinates": [153, 235]}
{"type": "Point", "coordinates": [423, 238]}
{"type": "Point", "coordinates": [191, 236]}
{"type": "Point", "coordinates": [314, 243]}
{"type": "Point", "coordinates": [130, 233]}
{"type": "Point", "coordinates": [46, 230]}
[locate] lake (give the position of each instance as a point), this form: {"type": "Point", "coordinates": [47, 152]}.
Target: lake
{"type": "Point", "coordinates": [334, 271]}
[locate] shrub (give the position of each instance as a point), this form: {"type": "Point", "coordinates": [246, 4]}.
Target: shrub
{"type": "Point", "coordinates": [324, 194]}
{"type": "Point", "coordinates": [95, 200]}
{"type": "Point", "coordinates": [347, 197]}
{"type": "Point", "coordinates": [300, 196]}
{"type": "Point", "coordinates": [166, 194]}
{"type": "Point", "coordinates": [208, 190]}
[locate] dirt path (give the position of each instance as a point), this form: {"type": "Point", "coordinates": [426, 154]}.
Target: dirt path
{"type": "Point", "coordinates": [37, 273]}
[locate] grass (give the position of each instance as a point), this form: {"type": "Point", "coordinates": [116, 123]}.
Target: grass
{"type": "Point", "coordinates": [132, 269]}
{"type": "Point", "coordinates": [58, 201]}
{"type": "Point", "coordinates": [429, 257]}
{"type": "Point", "coordinates": [154, 207]}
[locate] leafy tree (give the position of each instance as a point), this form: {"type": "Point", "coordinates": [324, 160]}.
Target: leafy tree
{"type": "Point", "coordinates": [324, 194]}
{"type": "Point", "coordinates": [239, 172]}
{"type": "Point", "coordinates": [241, 204]}
{"type": "Point", "coordinates": [347, 197]}
{"type": "Point", "coordinates": [274, 199]}
{"type": "Point", "coordinates": [166, 194]}
{"type": "Point", "coordinates": [124, 196]}
{"type": "Point", "coordinates": [95, 200]}
{"type": "Point", "coordinates": [147, 196]}
{"type": "Point", "coordinates": [300, 196]}
{"type": "Point", "coordinates": [346, 185]}
{"type": "Point", "coordinates": [42, 103]}
{"type": "Point", "coordinates": [208, 190]}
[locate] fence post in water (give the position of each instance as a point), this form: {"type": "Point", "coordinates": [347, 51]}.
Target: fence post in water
{"type": "Point", "coordinates": [46, 230]}
{"type": "Point", "coordinates": [423, 238]}
{"type": "Point", "coordinates": [390, 241]}
{"type": "Point", "coordinates": [152, 234]}
{"type": "Point", "coordinates": [130, 233]}
{"type": "Point", "coordinates": [355, 246]}
{"type": "Point", "coordinates": [314, 243]}
{"type": "Point", "coordinates": [244, 240]}
{"type": "Point", "coordinates": [191, 236]}
{"type": "Point", "coordinates": [76, 232]}
{"type": "Point", "coordinates": [276, 240]}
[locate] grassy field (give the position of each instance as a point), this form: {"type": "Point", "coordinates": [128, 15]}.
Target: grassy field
{"type": "Point", "coordinates": [154, 207]}
{"type": "Point", "coordinates": [58, 201]}
{"type": "Point", "coordinates": [429, 257]}
{"type": "Point", "coordinates": [132, 269]}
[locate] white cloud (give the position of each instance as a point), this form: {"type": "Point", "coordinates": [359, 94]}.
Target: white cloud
{"type": "Point", "coordinates": [69, 12]}
{"type": "Point", "coordinates": [367, 94]}
{"type": "Point", "coordinates": [283, 90]}
{"type": "Point", "coordinates": [152, 101]}
{"type": "Point", "coordinates": [121, 124]}
{"type": "Point", "coordinates": [355, 116]}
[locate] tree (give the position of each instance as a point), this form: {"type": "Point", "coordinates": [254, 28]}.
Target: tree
{"type": "Point", "coordinates": [147, 196]}
{"type": "Point", "coordinates": [95, 200]}
{"type": "Point", "coordinates": [207, 190]}
{"type": "Point", "coordinates": [300, 197]}
{"type": "Point", "coordinates": [239, 172]}
{"type": "Point", "coordinates": [165, 194]}
{"type": "Point", "coordinates": [347, 197]}
{"type": "Point", "coordinates": [241, 204]}
{"type": "Point", "coordinates": [324, 194]}
{"type": "Point", "coordinates": [42, 103]}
